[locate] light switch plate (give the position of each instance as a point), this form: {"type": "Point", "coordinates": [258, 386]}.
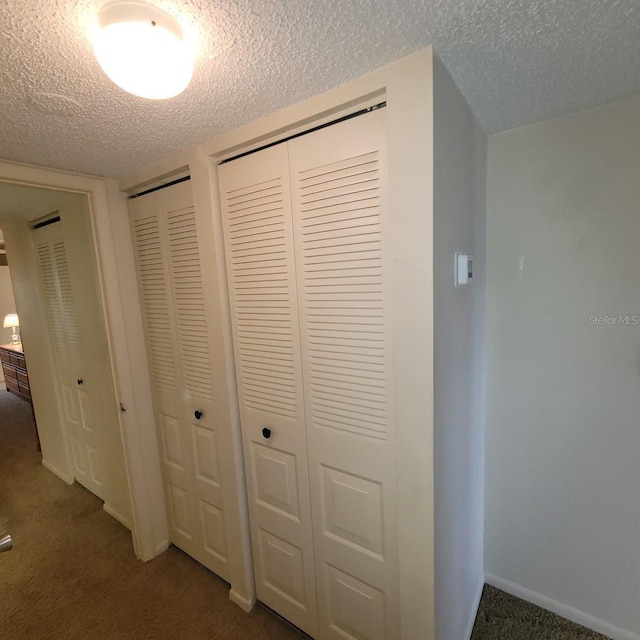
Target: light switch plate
{"type": "Point", "coordinates": [463, 269]}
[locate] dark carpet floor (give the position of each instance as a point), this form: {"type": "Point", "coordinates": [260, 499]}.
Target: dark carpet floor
{"type": "Point", "coordinates": [505, 617]}
{"type": "Point", "coordinates": [72, 574]}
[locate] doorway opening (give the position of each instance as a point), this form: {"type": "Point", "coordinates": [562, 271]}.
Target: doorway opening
{"type": "Point", "coordinates": [58, 296]}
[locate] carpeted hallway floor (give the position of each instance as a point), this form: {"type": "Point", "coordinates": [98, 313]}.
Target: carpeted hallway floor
{"type": "Point", "coordinates": [505, 617]}
{"type": "Point", "coordinates": [72, 574]}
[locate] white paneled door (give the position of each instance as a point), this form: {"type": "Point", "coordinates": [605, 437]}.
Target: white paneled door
{"type": "Point", "coordinates": [179, 350]}
{"type": "Point", "coordinates": [74, 374]}
{"type": "Point", "coordinates": [261, 271]}
{"type": "Point", "coordinates": [308, 246]}
{"type": "Point", "coordinates": [342, 248]}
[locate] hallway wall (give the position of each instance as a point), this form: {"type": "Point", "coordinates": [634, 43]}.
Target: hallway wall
{"type": "Point", "coordinates": [563, 366]}
{"type": "Point", "coordinates": [460, 155]}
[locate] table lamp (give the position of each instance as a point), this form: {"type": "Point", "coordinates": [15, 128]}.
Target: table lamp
{"type": "Point", "coordinates": [11, 321]}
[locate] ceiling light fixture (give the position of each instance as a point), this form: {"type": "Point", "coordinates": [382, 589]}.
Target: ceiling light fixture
{"type": "Point", "coordinates": [143, 50]}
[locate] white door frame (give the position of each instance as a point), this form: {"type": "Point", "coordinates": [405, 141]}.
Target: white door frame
{"type": "Point", "coordinates": [112, 244]}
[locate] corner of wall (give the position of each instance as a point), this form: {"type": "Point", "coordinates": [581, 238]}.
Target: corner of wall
{"type": "Point", "coordinates": [459, 226]}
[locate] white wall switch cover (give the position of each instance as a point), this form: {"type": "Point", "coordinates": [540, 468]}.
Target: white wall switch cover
{"type": "Point", "coordinates": [463, 269]}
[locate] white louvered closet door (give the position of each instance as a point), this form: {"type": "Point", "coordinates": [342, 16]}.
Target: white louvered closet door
{"type": "Point", "coordinates": [308, 246]}
{"type": "Point", "coordinates": [75, 386]}
{"type": "Point", "coordinates": [178, 347]}
{"type": "Point", "coordinates": [343, 248]}
{"type": "Point", "coordinates": [256, 209]}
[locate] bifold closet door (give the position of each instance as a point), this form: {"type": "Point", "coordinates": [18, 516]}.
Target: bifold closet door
{"type": "Point", "coordinates": [343, 250]}
{"type": "Point", "coordinates": [178, 348]}
{"type": "Point", "coordinates": [260, 265]}
{"type": "Point", "coordinates": [307, 243]}
{"type": "Point", "coordinates": [74, 375]}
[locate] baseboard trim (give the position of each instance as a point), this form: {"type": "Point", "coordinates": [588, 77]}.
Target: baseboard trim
{"type": "Point", "coordinates": [575, 615]}
{"type": "Point", "coordinates": [56, 472]}
{"type": "Point", "coordinates": [244, 603]}
{"type": "Point", "coordinates": [117, 515]}
{"type": "Point", "coordinates": [474, 611]}
{"type": "Point", "coordinates": [157, 550]}
{"type": "Point", "coordinates": [161, 547]}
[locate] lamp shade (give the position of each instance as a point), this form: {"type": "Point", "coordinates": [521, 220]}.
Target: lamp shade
{"type": "Point", "coordinates": [143, 50]}
{"type": "Point", "coordinates": [11, 321]}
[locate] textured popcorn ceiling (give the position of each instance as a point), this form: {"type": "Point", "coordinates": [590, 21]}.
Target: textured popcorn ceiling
{"type": "Point", "coordinates": [516, 61]}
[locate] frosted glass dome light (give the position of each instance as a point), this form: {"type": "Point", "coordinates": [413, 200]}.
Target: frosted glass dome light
{"type": "Point", "coordinates": [142, 49]}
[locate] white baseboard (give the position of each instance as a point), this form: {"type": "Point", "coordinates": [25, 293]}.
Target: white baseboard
{"type": "Point", "coordinates": [244, 603]}
{"type": "Point", "coordinates": [474, 611]}
{"type": "Point", "coordinates": [161, 547]}
{"type": "Point", "coordinates": [56, 472]}
{"type": "Point", "coordinates": [157, 550]}
{"type": "Point", "coordinates": [117, 515]}
{"type": "Point", "coordinates": [575, 615]}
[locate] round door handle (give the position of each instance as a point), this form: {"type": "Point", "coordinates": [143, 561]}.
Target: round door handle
{"type": "Point", "coordinates": [266, 432]}
{"type": "Point", "coordinates": [80, 381]}
{"type": "Point", "coordinates": [197, 414]}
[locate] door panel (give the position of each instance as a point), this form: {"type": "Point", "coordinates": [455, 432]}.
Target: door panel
{"type": "Point", "coordinates": [282, 569]}
{"type": "Point", "coordinates": [156, 309]}
{"type": "Point", "coordinates": [260, 267]}
{"type": "Point", "coordinates": [177, 217]}
{"type": "Point", "coordinates": [307, 241]}
{"type": "Point", "coordinates": [208, 494]}
{"type": "Point", "coordinates": [342, 241]}
{"type": "Point", "coordinates": [75, 386]}
{"type": "Point", "coordinates": [180, 362]}
{"type": "Point", "coordinates": [275, 480]}
{"type": "Point", "coordinates": [355, 609]}
{"type": "Point", "coordinates": [175, 467]}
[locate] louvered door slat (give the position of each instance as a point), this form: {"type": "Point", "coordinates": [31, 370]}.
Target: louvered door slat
{"type": "Point", "coordinates": [56, 317]}
{"type": "Point", "coordinates": [262, 292]}
{"type": "Point", "coordinates": [66, 299]}
{"type": "Point", "coordinates": [155, 304]}
{"type": "Point", "coordinates": [346, 230]}
{"type": "Point", "coordinates": [189, 302]}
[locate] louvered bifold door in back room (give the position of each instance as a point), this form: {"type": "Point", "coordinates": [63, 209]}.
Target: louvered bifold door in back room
{"type": "Point", "coordinates": [308, 246]}
{"type": "Point", "coordinates": [179, 354]}
{"type": "Point", "coordinates": [75, 381]}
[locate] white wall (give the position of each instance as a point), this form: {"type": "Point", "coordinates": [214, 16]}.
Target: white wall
{"type": "Point", "coordinates": [7, 305]}
{"type": "Point", "coordinates": [563, 394]}
{"type": "Point", "coordinates": [459, 225]}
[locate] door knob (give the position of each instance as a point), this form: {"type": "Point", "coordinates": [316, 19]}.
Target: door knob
{"type": "Point", "coordinates": [80, 381]}
{"type": "Point", "coordinates": [266, 433]}
{"type": "Point", "coordinates": [197, 414]}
